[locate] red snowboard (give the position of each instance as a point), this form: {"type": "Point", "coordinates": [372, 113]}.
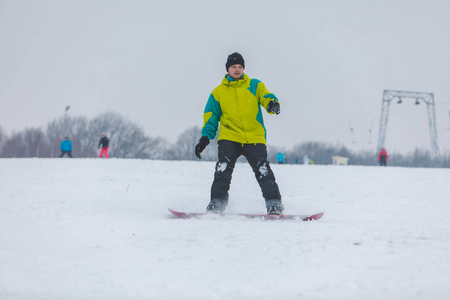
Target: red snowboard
{"type": "Point", "coordinates": [184, 215]}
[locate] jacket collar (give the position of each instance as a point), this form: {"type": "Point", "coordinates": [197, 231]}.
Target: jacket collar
{"type": "Point", "coordinates": [227, 80]}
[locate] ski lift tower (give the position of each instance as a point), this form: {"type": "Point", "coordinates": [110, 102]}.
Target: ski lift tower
{"type": "Point", "coordinates": [428, 98]}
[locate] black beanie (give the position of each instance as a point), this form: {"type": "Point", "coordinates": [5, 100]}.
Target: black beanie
{"type": "Point", "coordinates": [233, 59]}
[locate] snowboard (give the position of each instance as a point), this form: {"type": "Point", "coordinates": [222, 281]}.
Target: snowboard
{"type": "Point", "coordinates": [186, 215]}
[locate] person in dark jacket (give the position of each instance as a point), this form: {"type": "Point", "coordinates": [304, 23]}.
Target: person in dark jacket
{"type": "Point", "coordinates": [104, 143]}
{"type": "Point", "coordinates": [66, 147]}
{"type": "Point", "coordinates": [383, 157]}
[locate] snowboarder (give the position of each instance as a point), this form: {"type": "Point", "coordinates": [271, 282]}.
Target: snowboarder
{"type": "Point", "coordinates": [104, 142]}
{"type": "Point", "coordinates": [383, 157]}
{"type": "Point", "coordinates": [235, 103]}
{"type": "Point", "coordinates": [66, 147]}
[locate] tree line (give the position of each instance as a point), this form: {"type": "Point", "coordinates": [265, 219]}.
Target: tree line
{"type": "Point", "coordinates": [128, 140]}
{"type": "Point", "coordinates": [321, 153]}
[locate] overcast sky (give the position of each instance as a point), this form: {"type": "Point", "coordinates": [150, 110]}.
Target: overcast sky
{"type": "Point", "coordinates": [156, 62]}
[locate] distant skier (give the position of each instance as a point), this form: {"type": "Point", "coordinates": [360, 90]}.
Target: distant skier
{"type": "Point", "coordinates": [383, 157]}
{"type": "Point", "coordinates": [66, 147]}
{"type": "Point", "coordinates": [104, 143]}
{"type": "Point", "coordinates": [280, 158]}
{"type": "Point", "coordinates": [306, 160]}
{"type": "Point", "coordinates": [235, 103]}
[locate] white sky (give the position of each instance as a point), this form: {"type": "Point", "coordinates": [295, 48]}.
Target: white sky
{"type": "Point", "coordinates": [156, 62]}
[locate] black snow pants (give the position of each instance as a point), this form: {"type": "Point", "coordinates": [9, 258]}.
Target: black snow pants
{"type": "Point", "coordinates": [256, 155]}
{"type": "Point", "coordinates": [64, 152]}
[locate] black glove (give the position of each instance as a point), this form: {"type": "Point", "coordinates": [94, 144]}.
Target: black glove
{"type": "Point", "coordinates": [273, 107]}
{"type": "Point", "coordinates": [202, 143]}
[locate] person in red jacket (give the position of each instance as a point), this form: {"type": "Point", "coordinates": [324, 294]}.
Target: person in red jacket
{"type": "Point", "coordinates": [383, 157]}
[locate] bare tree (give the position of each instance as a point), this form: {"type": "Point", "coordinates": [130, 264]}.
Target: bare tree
{"type": "Point", "coordinates": [156, 148]}
{"type": "Point", "coordinates": [184, 147]}
{"type": "Point", "coordinates": [320, 153]}
{"type": "Point", "coordinates": [31, 142]}
{"type": "Point", "coordinates": [2, 139]}
{"type": "Point", "coordinates": [14, 146]}
{"type": "Point", "coordinates": [36, 144]}
{"type": "Point", "coordinates": [127, 140]}
{"type": "Point", "coordinates": [76, 128]}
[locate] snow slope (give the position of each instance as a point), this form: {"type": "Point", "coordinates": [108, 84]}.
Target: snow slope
{"type": "Point", "coordinates": [98, 229]}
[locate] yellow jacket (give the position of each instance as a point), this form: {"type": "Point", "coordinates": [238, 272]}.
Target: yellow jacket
{"type": "Point", "coordinates": [237, 105]}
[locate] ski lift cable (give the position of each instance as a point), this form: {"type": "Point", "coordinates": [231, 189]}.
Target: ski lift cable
{"type": "Point", "coordinates": [333, 132]}
{"type": "Point", "coordinates": [359, 120]}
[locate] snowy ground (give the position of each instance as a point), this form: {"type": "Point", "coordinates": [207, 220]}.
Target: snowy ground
{"type": "Point", "coordinates": [98, 229]}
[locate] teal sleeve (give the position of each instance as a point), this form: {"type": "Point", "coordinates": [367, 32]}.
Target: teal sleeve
{"type": "Point", "coordinates": [211, 117]}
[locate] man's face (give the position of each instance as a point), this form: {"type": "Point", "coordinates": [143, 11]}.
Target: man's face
{"type": "Point", "coordinates": [236, 71]}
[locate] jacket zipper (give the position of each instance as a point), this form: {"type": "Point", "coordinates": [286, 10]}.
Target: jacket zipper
{"type": "Point", "coordinates": [240, 115]}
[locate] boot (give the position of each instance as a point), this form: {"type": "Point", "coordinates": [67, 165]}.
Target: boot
{"type": "Point", "coordinates": [274, 207]}
{"type": "Point", "coordinates": [217, 206]}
